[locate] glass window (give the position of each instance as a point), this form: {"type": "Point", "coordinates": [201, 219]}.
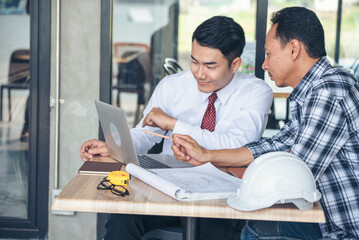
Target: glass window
{"type": "Point", "coordinates": [14, 127]}
{"type": "Point", "coordinates": [144, 34]}
{"type": "Point", "coordinates": [349, 37]}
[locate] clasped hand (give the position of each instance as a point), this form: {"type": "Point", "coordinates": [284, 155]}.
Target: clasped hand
{"type": "Point", "coordinates": [158, 118]}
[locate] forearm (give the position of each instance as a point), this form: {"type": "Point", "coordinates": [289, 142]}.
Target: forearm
{"type": "Point", "coordinates": [230, 157]}
{"type": "Point", "coordinates": [221, 138]}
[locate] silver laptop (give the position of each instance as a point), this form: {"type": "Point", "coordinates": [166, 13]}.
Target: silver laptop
{"type": "Point", "coordinates": [119, 141]}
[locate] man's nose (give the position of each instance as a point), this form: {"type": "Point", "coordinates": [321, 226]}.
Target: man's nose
{"type": "Point", "coordinates": [264, 65]}
{"type": "Point", "coordinates": [201, 72]}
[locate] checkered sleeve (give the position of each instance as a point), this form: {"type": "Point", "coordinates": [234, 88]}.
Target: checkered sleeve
{"type": "Point", "coordinates": [279, 142]}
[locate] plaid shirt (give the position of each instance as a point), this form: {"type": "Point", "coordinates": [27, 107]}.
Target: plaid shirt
{"type": "Point", "coordinates": [324, 132]}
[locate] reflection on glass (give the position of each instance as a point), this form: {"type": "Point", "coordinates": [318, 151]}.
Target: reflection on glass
{"type": "Point", "coordinates": [14, 132]}
{"type": "Point", "coordinates": [143, 36]}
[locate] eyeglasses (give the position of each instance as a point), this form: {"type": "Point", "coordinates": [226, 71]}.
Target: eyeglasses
{"type": "Point", "coordinates": [118, 190]}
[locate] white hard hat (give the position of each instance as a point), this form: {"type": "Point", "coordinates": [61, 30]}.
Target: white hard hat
{"type": "Point", "coordinates": [276, 177]}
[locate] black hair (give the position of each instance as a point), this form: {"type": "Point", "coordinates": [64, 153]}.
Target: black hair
{"type": "Point", "coordinates": [302, 24]}
{"type": "Point", "coordinates": [222, 33]}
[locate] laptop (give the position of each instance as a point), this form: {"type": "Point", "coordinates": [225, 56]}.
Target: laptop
{"type": "Point", "coordinates": [119, 141]}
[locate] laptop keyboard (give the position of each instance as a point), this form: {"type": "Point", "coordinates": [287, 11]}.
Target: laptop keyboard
{"type": "Point", "coordinates": [147, 162]}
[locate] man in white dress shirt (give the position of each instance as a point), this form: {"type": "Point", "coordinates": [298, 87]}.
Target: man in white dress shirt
{"type": "Point", "coordinates": [178, 105]}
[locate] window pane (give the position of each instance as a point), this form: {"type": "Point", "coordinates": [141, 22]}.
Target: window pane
{"type": "Point", "coordinates": [349, 37]}
{"type": "Point", "coordinates": [144, 34]}
{"type": "Point", "coordinates": [14, 69]}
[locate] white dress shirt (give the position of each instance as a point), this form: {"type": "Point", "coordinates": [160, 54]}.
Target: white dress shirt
{"type": "Point", "coordinates": [242, 108]}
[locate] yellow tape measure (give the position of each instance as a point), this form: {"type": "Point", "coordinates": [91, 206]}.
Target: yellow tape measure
{"type": "Point", "coordinates": [119, 178]}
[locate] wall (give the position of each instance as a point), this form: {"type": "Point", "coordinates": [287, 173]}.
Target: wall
{"type": "Point", "coordinates": [79, 85]}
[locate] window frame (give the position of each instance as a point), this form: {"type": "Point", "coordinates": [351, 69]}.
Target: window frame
{"type": "Point", "coordinates": [36, 223]}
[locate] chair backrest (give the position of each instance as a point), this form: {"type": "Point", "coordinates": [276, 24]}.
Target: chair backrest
{"type": "Point", "coordinates": [171, 66]}
{"type": "Point", "coordinates": [131, 62]}
{"type": "Point", "coordinates": [125, 51]}
{"type": "Point", "coordinates": [273, 121]}
{"type": "Point", "coordinates": [145, 62]}
{"type": "Point", "coordinates": [19, 67]}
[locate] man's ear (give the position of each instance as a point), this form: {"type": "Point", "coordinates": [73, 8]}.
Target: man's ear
{"type": "Point", "coordinates": [294, 48]}
{"type": "Point", "coordinates": [236, 63]}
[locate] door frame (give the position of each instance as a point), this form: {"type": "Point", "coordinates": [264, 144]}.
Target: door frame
{"type": "Point", "coordinates": [36, 224]}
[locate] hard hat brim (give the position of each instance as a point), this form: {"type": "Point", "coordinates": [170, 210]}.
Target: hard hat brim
{"type": "Point", "coordinates": [241, 205]}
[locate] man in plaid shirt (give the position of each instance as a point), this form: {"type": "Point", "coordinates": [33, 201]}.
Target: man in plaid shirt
{"type": "Point", "coordinates": [324, 130]}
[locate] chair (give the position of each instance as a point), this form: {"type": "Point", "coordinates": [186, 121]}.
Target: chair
{"type": "Point", "coordinates": [18, 77]}
{"type": "Point", "coordinates": [273, 121]}
{"type": "Point", "coordinates": [171, 66]}
{"type": "Point", "coordinates": [134, 70]}
{"type": "Point", "coordinates": [284, 95]}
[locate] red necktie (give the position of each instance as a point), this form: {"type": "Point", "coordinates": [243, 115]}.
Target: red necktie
{"type": "Point", "coordinates": [209, 117]}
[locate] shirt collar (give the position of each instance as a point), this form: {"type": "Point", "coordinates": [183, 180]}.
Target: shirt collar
{"type": "Point", "coordinates": [300, 91]}
{"type": "Point", "coordinates": [226, 92]}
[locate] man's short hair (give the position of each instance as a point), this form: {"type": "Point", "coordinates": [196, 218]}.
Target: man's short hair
{"type": "Point", "coordinates": [302, 24]}
{"type": "Point", "coordinates": [221, 33]}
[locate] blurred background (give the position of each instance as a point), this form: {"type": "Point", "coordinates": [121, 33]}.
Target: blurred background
{"type": "Point", "coordinates": [57, 56]}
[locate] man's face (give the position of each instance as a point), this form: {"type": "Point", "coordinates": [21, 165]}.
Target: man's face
{"type": "Point", "coordinates": [278, 61]}
{"type": "Point", "coordinates": [210, 68]}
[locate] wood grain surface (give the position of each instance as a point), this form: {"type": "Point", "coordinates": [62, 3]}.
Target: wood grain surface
{"type": "Point", "coordinates": [81, 195]}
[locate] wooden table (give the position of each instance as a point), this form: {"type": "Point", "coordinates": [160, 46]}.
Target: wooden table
{"type": "Point", "coordinates": [81, 195]}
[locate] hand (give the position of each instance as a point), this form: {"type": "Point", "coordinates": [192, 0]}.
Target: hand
{"type": "Point", "coordinates": [158, 118]}
{"type": "Point", "coordinates": [93, 147]}
{"type": "Point", "coordinates": [186, 149]}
